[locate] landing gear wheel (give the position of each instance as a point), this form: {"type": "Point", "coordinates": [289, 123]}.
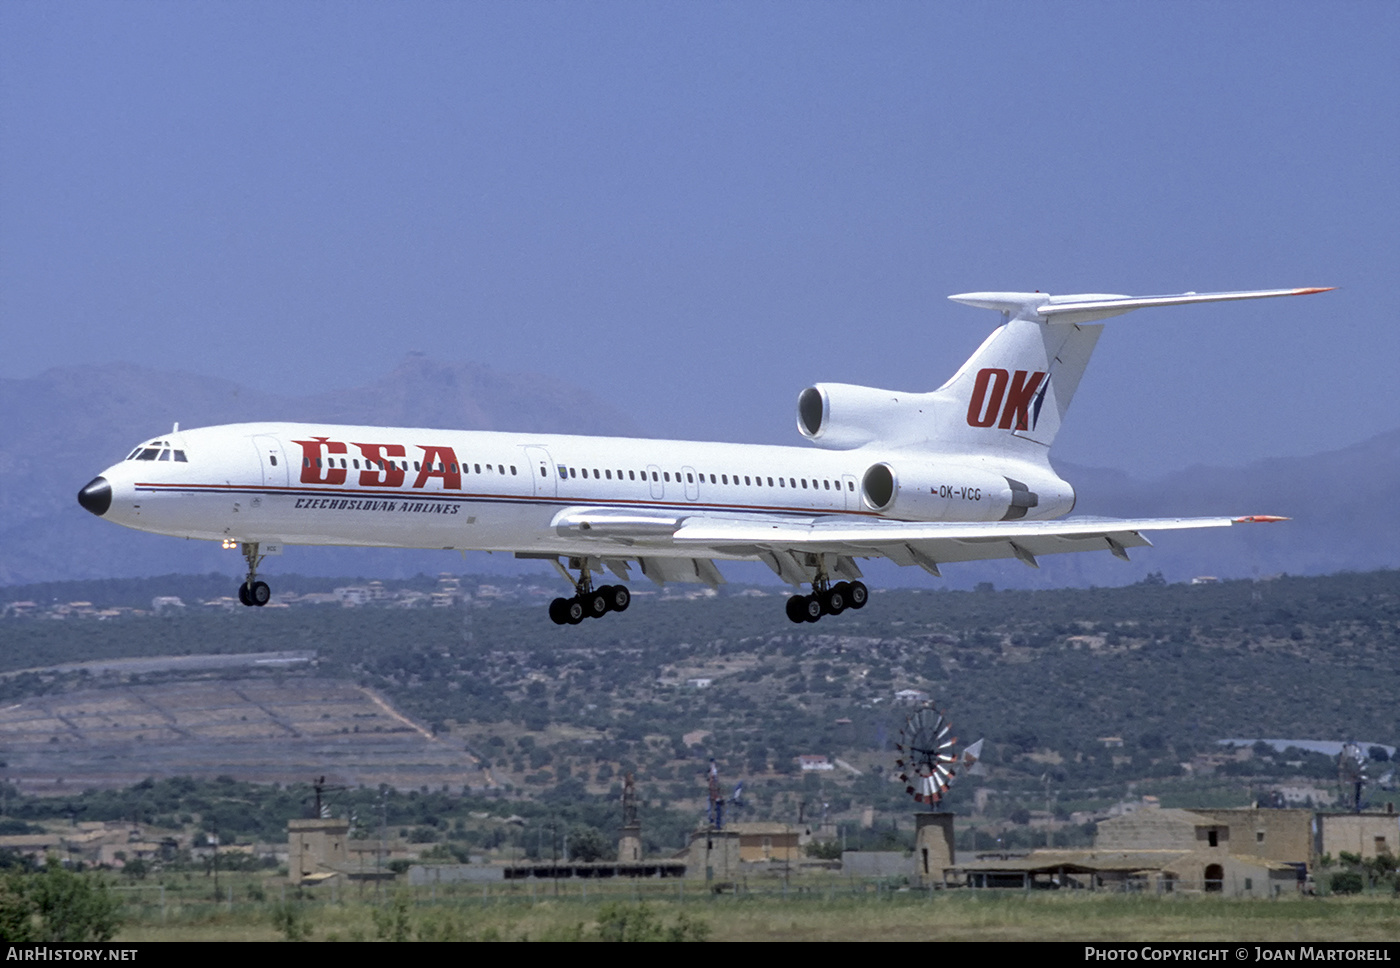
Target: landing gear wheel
{"type": "Point", "coordinates": [834, 601]}
{"type": "Point", "coordinates": [595, 604]}
{"type": "Point", "coordinates": [589, 601]}
{"type": "Point", "coordinates": [858, 595]}
{"type": "Point", "coordinates": [250, 590]}
{"type": "Point", "coordinates": [618, 598]}
{"type": "Point", "coordinates": [812, 608]}
{"type": "Point", "coordinates": [797, 609]}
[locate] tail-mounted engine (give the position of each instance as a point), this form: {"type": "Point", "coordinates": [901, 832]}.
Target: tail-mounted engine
{"type": "Point", "coordinates": [840, 416]}
{"type": "Point", "coordinates": [924, 490]}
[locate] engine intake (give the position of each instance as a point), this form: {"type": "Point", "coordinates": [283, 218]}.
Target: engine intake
{"type": "Point", "coordinates": [878, 487]}
{"type": "Point", "coordinates": [841, 416]}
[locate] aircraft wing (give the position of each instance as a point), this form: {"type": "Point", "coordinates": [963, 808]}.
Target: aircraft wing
{"type": "Point", "coordinates": [789, 545]}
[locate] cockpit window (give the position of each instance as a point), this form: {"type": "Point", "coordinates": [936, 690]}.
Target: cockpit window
{"type": "Point", "coordinates": [157, 450]}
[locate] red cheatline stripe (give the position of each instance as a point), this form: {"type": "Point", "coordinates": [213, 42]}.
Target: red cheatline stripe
{"type": "Point", "coordinates": [512, 498]}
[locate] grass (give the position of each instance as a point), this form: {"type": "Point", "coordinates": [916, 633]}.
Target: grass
{"type": "Point", "coordinates": [818, 914]}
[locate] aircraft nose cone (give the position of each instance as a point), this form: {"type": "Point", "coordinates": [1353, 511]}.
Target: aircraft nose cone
{"type": "Point", "coordinates": [97, 496]}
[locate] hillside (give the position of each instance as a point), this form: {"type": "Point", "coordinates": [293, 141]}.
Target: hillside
{"type": "Point", "coordinates": [1098, 693]}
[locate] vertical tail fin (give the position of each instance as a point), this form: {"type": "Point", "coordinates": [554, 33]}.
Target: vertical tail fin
{"type": "Point", "coordinates": [1011, 396]}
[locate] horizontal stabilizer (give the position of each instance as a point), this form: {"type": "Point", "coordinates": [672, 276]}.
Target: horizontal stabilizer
{"type": "Point", "coordinates": [1088, 307]}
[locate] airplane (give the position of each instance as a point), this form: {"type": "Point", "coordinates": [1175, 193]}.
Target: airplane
{"type": "Point", "coordinates": [961, 473]}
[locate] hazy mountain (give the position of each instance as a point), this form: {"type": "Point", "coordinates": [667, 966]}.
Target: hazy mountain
{"type": "Point", "coordinates": [66, 425]}
{"type": "Point", "coordinates": [1342, 504]}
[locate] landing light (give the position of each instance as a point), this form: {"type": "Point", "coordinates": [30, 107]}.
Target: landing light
{"type": "Point", "coordinates": [230, 543]}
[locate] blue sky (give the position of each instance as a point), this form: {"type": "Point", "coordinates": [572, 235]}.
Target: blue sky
{"type": "Point", "coordinates": [697, 209]}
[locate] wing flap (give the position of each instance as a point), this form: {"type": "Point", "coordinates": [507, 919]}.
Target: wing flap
{"type": "Point", "coordinates": [693, 570]}
{"type": "Point", "coordinates": [789, 544]}
{"type": "Point", "coordinates": [780, 543]}
{"type": "Point", "coordinates": [812, 533]}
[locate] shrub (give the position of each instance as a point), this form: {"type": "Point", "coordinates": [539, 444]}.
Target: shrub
{"type": "Point", "coordinates": [1347, 882]}
{"type": "Point", "coordinates": [56, 905]}
{"type": "Point", "coordinates": [637, 922]}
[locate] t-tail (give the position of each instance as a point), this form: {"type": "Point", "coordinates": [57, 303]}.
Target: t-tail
{"type": "Point", "coordinates": [1010, 398]}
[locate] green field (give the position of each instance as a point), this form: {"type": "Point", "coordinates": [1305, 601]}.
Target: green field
{"type": "Point", "coordinates": [812, 911]}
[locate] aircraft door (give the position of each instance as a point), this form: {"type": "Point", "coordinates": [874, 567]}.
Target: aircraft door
{"type": "Point", "coordinates": [657, 489]}
{"type": "Point", "coordinates": [542, 472]}
{"type": "Point", "coordinates": [852, 492]}
{"type": "Point", "coordinates": [272, 461]}
{"type": "Point", "coordinates": [692, 487]}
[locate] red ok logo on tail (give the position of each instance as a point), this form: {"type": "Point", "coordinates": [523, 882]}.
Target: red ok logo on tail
{"type": "Point", "coordinates": [1008, 396]}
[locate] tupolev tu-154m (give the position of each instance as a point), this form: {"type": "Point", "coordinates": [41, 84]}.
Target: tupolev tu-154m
{"type": "Point", "coordinates": [961, 473]}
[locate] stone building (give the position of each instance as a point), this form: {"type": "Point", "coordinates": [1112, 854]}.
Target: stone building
{"type": "Point", "coordinates": [1240, 853]}
{"type": "Point", "coordinates": [316, 849]}
{"type": "Point", "coordinates": [1366, 834]}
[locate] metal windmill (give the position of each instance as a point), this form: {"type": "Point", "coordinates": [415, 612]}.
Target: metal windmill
{"type": "Point", "coordinates": [320, 788]}
{"type": "Point", "coordinates": [927, 760]}
{"type": "Point", "coordinates": [718, 799]}
{"type": "Point", "coordinates": [629, 802]}
{"type": "Point", "coordinates": [1351, 775]}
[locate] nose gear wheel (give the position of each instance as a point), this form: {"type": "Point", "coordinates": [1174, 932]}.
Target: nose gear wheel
{"type": "Point", "coordinates": [252, 592]}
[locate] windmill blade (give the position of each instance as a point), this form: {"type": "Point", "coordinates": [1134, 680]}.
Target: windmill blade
{"type": "Point", "coordinates": [928, 760]}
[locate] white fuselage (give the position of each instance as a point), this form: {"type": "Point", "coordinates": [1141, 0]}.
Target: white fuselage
{"type": "Point", "coordinates": [961, 473]}
{"type": "Point", "coordinates": [315, 484]}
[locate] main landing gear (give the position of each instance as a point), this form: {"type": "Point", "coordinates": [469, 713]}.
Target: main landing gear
{"type": "Point", "coordinates": [589, 602]}
{"type": "Point", "coordinates": [827, 599]}
{"type": "Point", "coordinates": [250, 590]}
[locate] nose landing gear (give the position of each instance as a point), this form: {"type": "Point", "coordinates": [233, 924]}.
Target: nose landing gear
{"type": "Point", "coordinates": [251, 591]}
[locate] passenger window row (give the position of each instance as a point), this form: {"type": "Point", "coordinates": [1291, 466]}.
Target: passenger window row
{"type": "Point", "coordinates": [369, 465]}
{"type": "Point", "coordinates": [823, 484]}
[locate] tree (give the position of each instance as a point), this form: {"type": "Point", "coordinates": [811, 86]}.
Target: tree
{"type": "Point", "coordinates": [588, 844]}
{"type": "Point", "coordinates": [57, 905]}
{"type": "Point", "coordinates": [16, 911]}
